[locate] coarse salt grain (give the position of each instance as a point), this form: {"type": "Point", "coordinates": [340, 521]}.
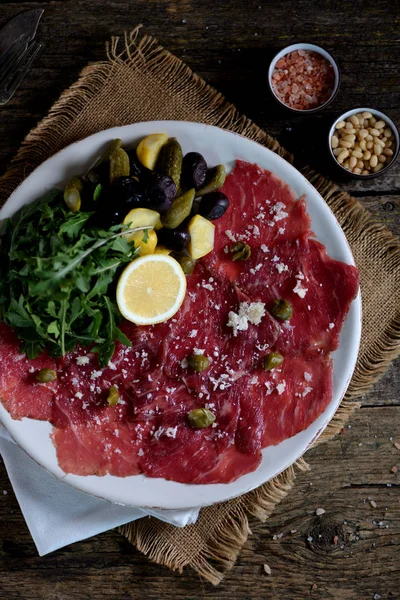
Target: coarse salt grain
{"type": "Point", "coordinates": [303, 80]}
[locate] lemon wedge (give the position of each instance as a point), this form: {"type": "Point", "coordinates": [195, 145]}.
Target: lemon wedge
{"type": "Point", "coordinates": [149, 149]}
{"type": "Point", "coordinates": [151, 289]}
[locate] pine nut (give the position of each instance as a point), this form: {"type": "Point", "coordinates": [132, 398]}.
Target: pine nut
{"type": "Point", "coordinates": [362, 143]}
{"type": "Point", "coordinates": [348, 138]}
{"type": "Point", "coordinates": [377, 149]}
{"type": "Point", "coordinates": [374, 161]}
{"type": "Point", "coordinates": [352, 162]}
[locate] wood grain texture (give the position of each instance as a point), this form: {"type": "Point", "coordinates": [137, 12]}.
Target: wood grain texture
{"type": "Point", "coordinates": [230, 44]}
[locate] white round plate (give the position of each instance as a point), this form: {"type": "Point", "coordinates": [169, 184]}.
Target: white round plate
{"type": "Point", "coordinates": [217, 146]}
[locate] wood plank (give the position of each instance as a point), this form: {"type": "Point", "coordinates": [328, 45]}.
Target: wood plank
{"type": "Point", "coordinates": [228, 46]}
{"type": "Point", "coordinates": [362, 562]}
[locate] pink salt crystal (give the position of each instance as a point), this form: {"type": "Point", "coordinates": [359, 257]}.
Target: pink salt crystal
{"type": "Point", "coordinates": [300, 71]}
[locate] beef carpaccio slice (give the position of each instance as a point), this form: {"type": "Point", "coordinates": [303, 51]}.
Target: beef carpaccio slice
{"type": "Point", "coordinates": [147, 431]}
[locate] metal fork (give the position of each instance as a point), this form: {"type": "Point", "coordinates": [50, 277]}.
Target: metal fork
{"type": "Point", "coordinates": [14, 64]}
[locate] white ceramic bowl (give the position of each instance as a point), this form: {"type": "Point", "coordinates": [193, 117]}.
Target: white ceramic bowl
{"type": "Point", "coordinates": [312, 48]}
{"type": "Point", "coordinates": [217, 146]}
{"type": "Point", "coordinates": [379, 115]}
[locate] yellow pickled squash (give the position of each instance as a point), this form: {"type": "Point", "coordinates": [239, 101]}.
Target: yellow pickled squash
{"type": "Point", "coordinates": [146, 240]}
{"type": "Point", "coordinates": [149, 149]}
{"type": "Point", "coordinates": [201, 236]}
{"type": "Point", "coordinates": [151, 289]}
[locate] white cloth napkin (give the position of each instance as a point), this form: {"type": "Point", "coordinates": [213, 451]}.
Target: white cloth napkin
{"type": "Point", "coordinates": [57, 514]}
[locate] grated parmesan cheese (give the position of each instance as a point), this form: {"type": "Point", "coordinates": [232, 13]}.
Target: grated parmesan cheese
{"type": "Point", "coordinates": [306, 391]}
{"type": "Point", "coordinates": [331, 325]}
{"type": "Point", "coordinates": [307, 376]}
{"type": "Point", "coordinates": [281, 387]}
{"type": "Point", "coordinates": [229, 235]}
{"type": "Point", "coordinates": [281, 267]}
{"type": "Point", "coordinates": [300, 291]}
{"type": "Point", "coordinates": [251, 312]}
{"type": "Point", "coordinates": [171, 432]}
{"type": "Point", "coordinates": [264, 248]}
{"type": "Point", "coordinates": [82, 360]}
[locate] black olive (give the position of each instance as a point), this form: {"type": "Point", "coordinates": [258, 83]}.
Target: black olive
{"type": "Point", "coordinates": [175, 239]}
{"type": "Point", "coordinates": [194, 170]}
{"type": "Point", "coordinates": [126, 192]}
{"type": "Point", "coordinates": [213, 206]}
{"type": "Point", "coordinates": [137, 169]}
{"type": "Point", "coordinates": [161, 193]}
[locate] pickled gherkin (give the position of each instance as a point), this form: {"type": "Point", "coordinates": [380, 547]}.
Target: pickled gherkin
{"type": "Point", "coordinates": [179, 210]}
{"type": "Point", "coordinates": [214, 180]}
{"type": "Point", "coordinates": [119, 164]}
{"type": "Point", "coordinates": [114, 145]}
{"type": "Point", "coordinates": [72, 194]}
{"type": "Point", "coordinates": [170, 161]}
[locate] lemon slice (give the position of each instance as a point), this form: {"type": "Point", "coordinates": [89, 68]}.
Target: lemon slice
{"type": "Point", "coordinates": [151, 289]}
{"type": "Point", "coordinates": [149, 149]}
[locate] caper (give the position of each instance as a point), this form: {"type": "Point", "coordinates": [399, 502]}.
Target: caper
{"type": "Point", "coordinates": [187, 263]}
{"type": "Point", "coordinates": [282, 309]}
{"type": "Point", "coordinates": [214, 180]}
{"type": "Point", "coordinates": [198, 362]}
{"type": "Point", "coordinates": [199, 418]}
{"type": "Point", "coordinates": [72, 194]}
{"type": "Point", "coordinates": [180, 208]}
{"type": "Point", "coordinates": [119, 164]}
{"type": "Point", "coordinates": [240, 251]}
{"type": "Point", "coordinates": [46, 375]}
{"type": "Point", "coordinates": [113, 396]}
{"type": "Point", "coordinates": [272, 360]}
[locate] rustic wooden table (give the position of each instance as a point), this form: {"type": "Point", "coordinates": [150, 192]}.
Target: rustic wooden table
{"type": "Point", "coordinates": [230, 44]}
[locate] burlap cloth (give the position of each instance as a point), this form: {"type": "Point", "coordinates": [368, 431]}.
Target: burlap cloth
{"type": "Point", "coordinates": [141, 81]}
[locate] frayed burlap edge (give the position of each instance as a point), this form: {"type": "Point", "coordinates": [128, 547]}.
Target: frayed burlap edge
{"type": "Point", "coordinates": [220, 552]}
{"type": "Point", "coordinates": [144, 54]}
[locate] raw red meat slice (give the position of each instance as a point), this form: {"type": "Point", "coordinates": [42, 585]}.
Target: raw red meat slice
{"type": "Point", "coordinates": [277, 404]}
{"type": "Point", "coordinates": [20, 393]}
{"type": "Point", "coordinates": [263, 210]}
{"type": "Point", "coordinates": [212, 458]}
{"type": "Point", "coordinates": [147, 430]}
{"type": "Point", "coordinates": [319, 289]}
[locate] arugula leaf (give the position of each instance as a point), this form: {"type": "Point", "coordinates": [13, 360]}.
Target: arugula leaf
{"type": "Point", "coordinates": [56, 275]}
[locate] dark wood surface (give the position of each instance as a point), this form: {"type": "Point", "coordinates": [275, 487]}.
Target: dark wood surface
{"type": "Point", "coordinates": [230, 43]}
